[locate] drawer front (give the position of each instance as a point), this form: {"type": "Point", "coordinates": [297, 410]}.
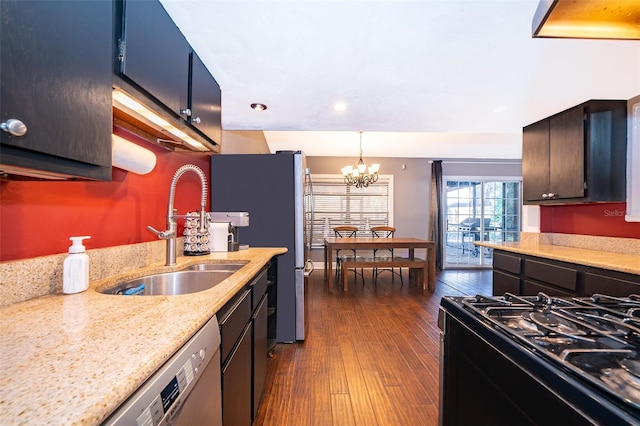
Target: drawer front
{"type": "Point", "coordinates": [505, 283]}
{"type": "Point", "coordinates": [595, 283]}
{"type": "Point", "coordinates": [530, 288]}
{"type": "Point", "coordinates": [233, 322]}
{"type": "Point", "coordinates": [506, 263]}
{"type": "Point", "coordinates": [259, 289]}
{"type": "Point", "coordinates": [551, 274]}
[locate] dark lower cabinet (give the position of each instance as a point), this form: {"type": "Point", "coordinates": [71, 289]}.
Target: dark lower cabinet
{"type": "Point", "coordinates": [529, 275]}
{"type": "Point", "coordinates": [595, 282]}
{"type": "Point", "coordinates": [243, 349]}
{"type": "Point", "coordinates": [233, 318]}
{"type": "Point", "coordinates": [236, 383]}
{"type": "Point", "coordinates": [506, 273]}
{"type": "Point", "coordinates": [259, 354]}
{"type": "Point", "coordinates": [505, 283]}
{"type": "Point", "coordinates": [272, 304]}
{"type": "Point", "coordinates": [530, 288]}
{"type": "Point", "coordinates": [563, 277]}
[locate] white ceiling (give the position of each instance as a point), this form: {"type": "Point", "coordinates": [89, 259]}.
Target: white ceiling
{"type": "Point", "coordinates": [429, 78]}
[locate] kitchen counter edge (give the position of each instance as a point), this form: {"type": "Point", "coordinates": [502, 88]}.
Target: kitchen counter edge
{"type": "Point", "coordinates": [73, 359]}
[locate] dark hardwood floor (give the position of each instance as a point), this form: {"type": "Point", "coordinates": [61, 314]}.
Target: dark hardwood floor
{"type": "Point", "coordinates": [371, 356]}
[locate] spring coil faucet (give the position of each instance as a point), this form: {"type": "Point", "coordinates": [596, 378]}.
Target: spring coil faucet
{"type": "Point", "coordinates": [170, 235]}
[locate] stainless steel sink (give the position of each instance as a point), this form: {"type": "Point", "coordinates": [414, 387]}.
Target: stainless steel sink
{"type": "Point", "coordinates": [191, 280]}
{"type": "Point", "coordinates": [228, 267]}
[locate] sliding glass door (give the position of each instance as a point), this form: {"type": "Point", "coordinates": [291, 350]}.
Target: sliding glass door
{"type": "Point", "coordinates": [479, 210]}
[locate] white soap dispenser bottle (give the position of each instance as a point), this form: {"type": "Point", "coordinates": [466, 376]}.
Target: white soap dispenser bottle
{"type": "Point", "coordinates": [75, 274]}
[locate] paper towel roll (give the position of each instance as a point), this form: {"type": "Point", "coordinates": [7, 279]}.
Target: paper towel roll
{"type": "Point", "coordinates": [219, 236]}
{"type": "Point", "coordinates": [131, 157]}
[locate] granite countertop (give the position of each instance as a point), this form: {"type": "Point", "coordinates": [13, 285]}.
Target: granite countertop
{"type": "Point", "coordinates": [73, 359]}
{"type": "Point", "coordinates": [622, 262]}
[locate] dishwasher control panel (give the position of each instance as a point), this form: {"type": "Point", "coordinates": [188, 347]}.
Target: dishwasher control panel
{"type": "Point", "coordinates": [162, 403]}
{"type": "Point", "coordinates": [160, 398]}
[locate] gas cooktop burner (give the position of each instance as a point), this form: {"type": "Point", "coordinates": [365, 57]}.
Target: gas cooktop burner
{"type": "Point", "coordinates": [597, 337]}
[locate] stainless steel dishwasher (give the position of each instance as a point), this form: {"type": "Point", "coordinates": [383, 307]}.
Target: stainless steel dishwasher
{"type": "Point", "coordinates": [186, 390]}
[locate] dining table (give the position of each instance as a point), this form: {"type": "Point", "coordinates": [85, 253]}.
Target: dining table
{"type": "Point", "coordinates": [369, 243]}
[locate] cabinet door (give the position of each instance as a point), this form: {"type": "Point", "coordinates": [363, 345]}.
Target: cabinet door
{"type": "Point", "coordinates": [236, 383]}
{"type": "Point", "coordinates": [56, 78]}
{"type": "Point", "coordinates": [535, 161]}
{"type": "Point", "coordinates": [566, 154]}
{"type": "Point", "coordinates": [156, 54]}
{"type": "Point", "coordinates": [606, 150]}
{"type": "Point", "coordinates": [260, 358]}
{"type": "Point", "coordinates": [205, 100]}
{"type": "Point", "coordinates": [505, 283]}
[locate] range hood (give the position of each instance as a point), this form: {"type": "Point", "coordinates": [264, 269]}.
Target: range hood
{"type": "Point", "coordinates": [591, 19]}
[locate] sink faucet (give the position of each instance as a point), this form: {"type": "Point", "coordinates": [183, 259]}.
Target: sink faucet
{"type": "Point", "coordinates": [171, 233]}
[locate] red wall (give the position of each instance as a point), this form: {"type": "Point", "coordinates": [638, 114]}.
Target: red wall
{"type": "Point", "coordinates": [605, 220]}
{"type": "Point", "coordinates": [38, 217]}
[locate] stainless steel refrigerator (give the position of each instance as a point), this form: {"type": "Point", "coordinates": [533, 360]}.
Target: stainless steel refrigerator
{"type": "Point", "coordinates": [277, 192]}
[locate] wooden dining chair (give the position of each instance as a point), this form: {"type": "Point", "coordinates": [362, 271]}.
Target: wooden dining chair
{"type": "Point", "coordinates": [346, 231]}
{"type": "Point", "coordinates": [384, 232]}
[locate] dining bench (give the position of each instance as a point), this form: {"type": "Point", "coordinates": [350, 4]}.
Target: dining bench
{"type": "Point", "coordinates": [416, 266]}
{"type": "Point", "coordinates": [428, 267]}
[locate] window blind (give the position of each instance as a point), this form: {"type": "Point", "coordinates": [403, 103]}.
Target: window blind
{"type": "Point", "coordinates": [336, 203]}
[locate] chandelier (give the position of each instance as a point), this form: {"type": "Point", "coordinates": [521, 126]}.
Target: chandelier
{"type": "Point", "coordinates": [360, 176]}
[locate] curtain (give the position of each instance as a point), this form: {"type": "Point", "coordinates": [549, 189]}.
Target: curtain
{"type": "Point", "coordinates": [435, 229]}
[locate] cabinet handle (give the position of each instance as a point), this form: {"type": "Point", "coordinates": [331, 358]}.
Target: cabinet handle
{"type": "Point", "coordinates": [186, 112]}
{"type": "Point", "coordinates": [14, 127]}
{"type": "Point", "coordinates": [196, 120]}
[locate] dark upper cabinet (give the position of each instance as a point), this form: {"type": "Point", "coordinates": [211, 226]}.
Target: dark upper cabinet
{"type": "Point", "coordinates": [576, 156]}
{"type": "Point", "coordinates": [56, 66]}
{"type": "Point", "coordinates": [535, 160]}
{"type": "Point", "coordinates": [156, 58]}
{"type": "Point", "coordinates": [156, 54]}
{"type": "Point", "coordinates": [206, 100]}
{"type": "Point", "coordinates": [567, 155]}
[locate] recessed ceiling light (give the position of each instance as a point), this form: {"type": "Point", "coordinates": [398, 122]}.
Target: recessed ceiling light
{"type": "Point", "coordinates": [339, 106]}
{"type": "Point", "coordinates": [259, 107]}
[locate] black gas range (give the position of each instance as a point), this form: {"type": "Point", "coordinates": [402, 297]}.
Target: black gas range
{"type": "Point", "coordinates": [540, 360]}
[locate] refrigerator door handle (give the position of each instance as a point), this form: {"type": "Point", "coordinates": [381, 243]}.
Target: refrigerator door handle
{"type": "Point", "coordinates": [311, 202]}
